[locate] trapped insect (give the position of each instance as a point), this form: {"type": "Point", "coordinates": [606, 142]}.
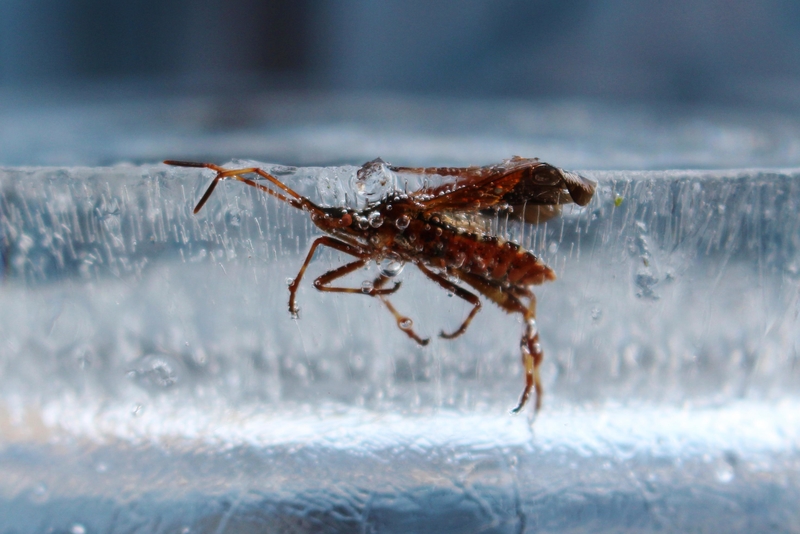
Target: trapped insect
{"type": "Point", "coordinates": [444, 231]}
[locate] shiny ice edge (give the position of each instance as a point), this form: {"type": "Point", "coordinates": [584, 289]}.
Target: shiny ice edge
{"type": "Point", "coordinates": [749, 428]}
{"type": "Point", "coordinates": [124, 294]}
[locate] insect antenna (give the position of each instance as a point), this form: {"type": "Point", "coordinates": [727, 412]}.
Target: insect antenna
{"type": "Point", "coordinates": [291, 197]}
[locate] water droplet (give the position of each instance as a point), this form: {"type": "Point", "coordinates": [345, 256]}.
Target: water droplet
{"type": "Point", "coordinates": [375, 219]}
{"type": "Point", "coordinates": [458, 260]}
{"type": "Point", "coordinates": [366, 286]}
{"type": "Point", "coordinates": [537, 348]}
{"type": "Point", "coordinates": [362, 223]}
{"type": "Point", "coordinates": [375, 240]}
{"type": "Point", "coordinates": [406, 323]}
{"type": "Point", "coordinates": [402, 222]}
{"type": "Point", "coordinates": [391, 267]}
{"type": "Point", "coordinates": [289, 281]}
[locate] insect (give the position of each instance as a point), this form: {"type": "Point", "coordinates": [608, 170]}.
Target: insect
{"type": "Point", "coordinates": [442, 230]}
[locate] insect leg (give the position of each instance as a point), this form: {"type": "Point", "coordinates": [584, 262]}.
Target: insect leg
{"type": "Point", "coordinates": [508, 298]}
{"type": "Point", "coordinates": [327, 241]}
{"type": "Point", "coordinates": [532, 357]}
{"type": "Point", "coordinates": [459, 292]}
{"type": "Point", "coordinates": [403, 323]}
{"type": "Point", "coordinates": [321, 283]}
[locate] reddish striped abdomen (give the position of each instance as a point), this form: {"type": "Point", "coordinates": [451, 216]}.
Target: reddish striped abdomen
{"type": "Point", "coordinates": [485, 256]}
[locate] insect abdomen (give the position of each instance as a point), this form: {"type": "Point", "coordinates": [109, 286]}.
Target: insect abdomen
{"type": "Point", "coordinates": [486, 256]}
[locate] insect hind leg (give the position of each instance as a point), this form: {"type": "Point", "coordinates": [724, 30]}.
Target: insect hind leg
{"type": "Point", "coordinates": [510, 300]}
{"type": "Point", "coordinates": [532, 356]}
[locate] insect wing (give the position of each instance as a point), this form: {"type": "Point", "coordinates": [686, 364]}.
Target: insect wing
{"type": "Point", "coordinates": [475, 189]}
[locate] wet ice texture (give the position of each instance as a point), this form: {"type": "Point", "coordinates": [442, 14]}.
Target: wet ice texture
{"type": "Point", "coordinates": [671, 344]}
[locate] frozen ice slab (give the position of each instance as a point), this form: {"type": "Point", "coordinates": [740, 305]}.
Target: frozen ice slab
{"type": "Point", "coordinates": [153, 380]}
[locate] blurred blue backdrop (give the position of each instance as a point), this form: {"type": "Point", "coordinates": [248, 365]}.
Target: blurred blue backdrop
{"type": "Point", "coordinates": [706, 51]}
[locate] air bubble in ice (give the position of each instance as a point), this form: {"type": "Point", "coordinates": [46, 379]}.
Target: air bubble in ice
{"type": "Point", "coordinates": [373, 181]}
{"type": "Point", "coordinates": [156, 371]}
{"type": "Point", "coordinates": [234, 219]}
{"type": "Point", "coordinates": [104, 209]}
{"type": "Point", "coordinates": [391, 267]}
{"type": "Point", "coordinates": [40, 493]}
{"type": "Point", "coordinates": [532, 328]}
{"type": "Point", "coordinates": [375, 219]}
{"type": "Point", "coordinates": [402, 222]}
{"type": "Point", "coordinates": [724, 474]}
{"type": "Point", "coordinates": [362, 223]}
{"type": "Point", "coordinates": [77, 528]}
{"type": "Point", "coordinates": [553, 248]}
{"type": "Point", "coordinates": [645, 282]}
{"type": "Point", "coordinates": [366, 286]}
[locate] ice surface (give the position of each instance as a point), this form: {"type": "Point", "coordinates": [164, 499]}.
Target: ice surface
{"type": "Point", "coordinates": [152, 379]}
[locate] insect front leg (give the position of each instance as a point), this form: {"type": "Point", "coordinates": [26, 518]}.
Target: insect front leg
{"type": "Point", "coordinates": [321, 283]}
{"type": "Point", "coordinates": [333, 243]}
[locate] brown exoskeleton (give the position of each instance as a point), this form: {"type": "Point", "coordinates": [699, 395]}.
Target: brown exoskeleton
{"type": "Point", "coordinates": [439, 230]}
